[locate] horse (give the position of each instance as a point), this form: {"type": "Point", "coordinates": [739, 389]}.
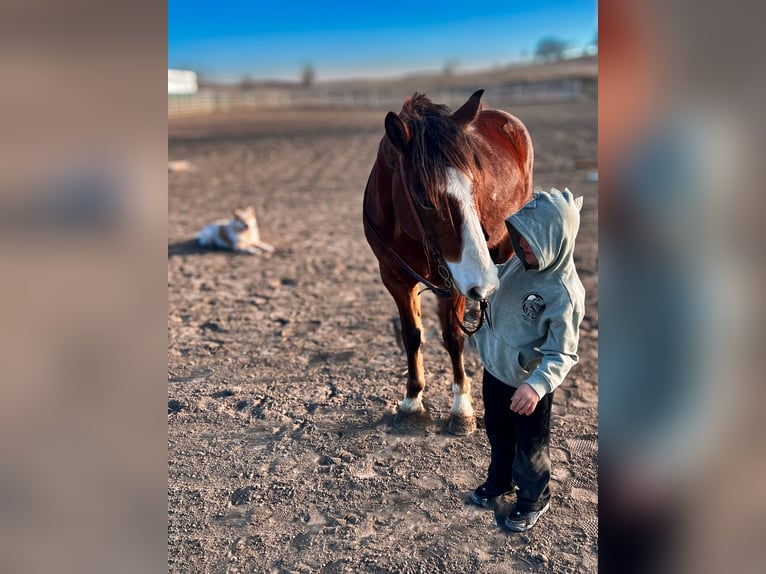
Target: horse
{"type": "Point", "coordinates": [434, 212]}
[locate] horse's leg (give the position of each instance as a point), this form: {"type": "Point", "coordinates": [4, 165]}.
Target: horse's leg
{"type": "Point", "coordinates": [408, 303]}
{"type": "Point", "coordinates": [462, 419]}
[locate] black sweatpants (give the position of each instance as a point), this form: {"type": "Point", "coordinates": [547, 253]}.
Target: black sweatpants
{"type": "Point", "coordinates": [520, 445]}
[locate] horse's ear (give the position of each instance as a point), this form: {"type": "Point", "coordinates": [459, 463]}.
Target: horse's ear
{"type": "Point", "coordinates": [397, 131]}
{"type": "Point", "coordinates": [469, 110]}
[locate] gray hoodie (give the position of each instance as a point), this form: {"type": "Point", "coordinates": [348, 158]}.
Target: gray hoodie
{"type": "Point", "coordinates": [535, 315]}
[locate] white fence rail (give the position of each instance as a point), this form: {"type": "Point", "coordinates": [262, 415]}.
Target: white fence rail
{"type": "Point", "coordinates": [232, 100]}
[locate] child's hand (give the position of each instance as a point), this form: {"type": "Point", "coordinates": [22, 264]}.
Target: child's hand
{"type": "Point", "coordinates": [524, 400]}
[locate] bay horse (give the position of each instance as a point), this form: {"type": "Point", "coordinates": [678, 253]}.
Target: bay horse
{"type": "Point", "coordinates": [434, 210]}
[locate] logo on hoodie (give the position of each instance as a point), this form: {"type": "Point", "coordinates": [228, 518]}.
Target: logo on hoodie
{"type": "Point", "coordinates": [532, 305]}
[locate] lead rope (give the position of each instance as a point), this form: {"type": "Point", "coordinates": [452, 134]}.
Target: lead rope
{"type": "Point", "coordinates": [483, 313]}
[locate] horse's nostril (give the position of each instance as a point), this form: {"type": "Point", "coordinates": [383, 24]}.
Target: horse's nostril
{"type": "Point", "coordinates": [473, 293]}
{"type": "Point", "coordinates": [479, 292]}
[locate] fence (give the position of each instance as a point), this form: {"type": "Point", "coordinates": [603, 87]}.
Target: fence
{"type": "Point", "coordinates": [209, 100]}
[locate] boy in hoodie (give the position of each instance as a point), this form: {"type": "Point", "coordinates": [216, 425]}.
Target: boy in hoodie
{"type": "Point", "coordinates": [527, 348]}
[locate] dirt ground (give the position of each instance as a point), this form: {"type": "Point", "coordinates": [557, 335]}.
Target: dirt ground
{"type": "Point", "coordinates": [284, 374]}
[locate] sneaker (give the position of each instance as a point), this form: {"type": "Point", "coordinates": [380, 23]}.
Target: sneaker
{"type": "Point", "coordinates": [481, 496]}
{"type": "Point", "coordinates": [523, 521]}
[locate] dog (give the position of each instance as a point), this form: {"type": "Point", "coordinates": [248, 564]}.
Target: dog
{"type": "Point", "coordinates": [239, 234]}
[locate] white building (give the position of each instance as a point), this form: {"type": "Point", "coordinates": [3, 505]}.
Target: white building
{"type": "Point", "coordinates": [182, 82]}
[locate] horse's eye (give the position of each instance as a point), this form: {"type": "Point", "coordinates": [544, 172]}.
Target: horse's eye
{"type": "Point", "coordinates": [425, 204]}
{"type": "Point", "coordinates": [421, 197]}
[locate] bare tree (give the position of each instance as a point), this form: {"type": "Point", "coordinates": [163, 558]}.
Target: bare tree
{"type": "Point", "coordinates": [246, 83]}
{"type": "Point", "coordinates": [308, 76]}
{"type": "Point", "coordinates": [550, 49]}
{"type": "Point", "coordinates": [450, 66]}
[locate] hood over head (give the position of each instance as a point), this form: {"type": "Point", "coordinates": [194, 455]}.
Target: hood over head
{"type": "Point", "coordinates": [549, 222]}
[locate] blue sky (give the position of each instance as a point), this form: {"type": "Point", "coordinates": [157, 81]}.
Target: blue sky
{"type": "Point", "coordinates": [226, 39]}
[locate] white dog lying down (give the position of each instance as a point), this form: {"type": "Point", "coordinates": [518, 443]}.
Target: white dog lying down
{"type": "Point", "coordinates": [240, 234]}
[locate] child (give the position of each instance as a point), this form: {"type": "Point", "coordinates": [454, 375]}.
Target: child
{"type": "Point", "coordinates": [527, 348]}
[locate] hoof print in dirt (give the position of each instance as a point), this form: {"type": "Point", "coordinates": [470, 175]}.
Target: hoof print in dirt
{"type": "Point", "coordinates": [412, 421]}
{"type": "Point", "coordinates": [242, 496]}
{"type": "Point", "coordinates": [461, 426]}
{"type": "Point", "coordinates": [174, 406]}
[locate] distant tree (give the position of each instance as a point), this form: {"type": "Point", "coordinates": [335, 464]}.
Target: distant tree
{"type": "Point", "coordinates": [450, 66]}
{"type": "Point", "coordinates": [203, 78]}
{"type": "Point", "coordinates": [246, 83]}
{"type": "Point", "coordinates": [550, 49]}
{"type": "Point", "coordinates": [592, 47]}
{"type": "Point", "coordinates": [308, 76]}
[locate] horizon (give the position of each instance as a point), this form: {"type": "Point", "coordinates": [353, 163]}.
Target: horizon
{"type": "Point", "coordinates": [234, 40]}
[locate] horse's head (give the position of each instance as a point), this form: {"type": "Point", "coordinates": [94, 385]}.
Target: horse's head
{"type": "Point", "coordinates": [437, 168]}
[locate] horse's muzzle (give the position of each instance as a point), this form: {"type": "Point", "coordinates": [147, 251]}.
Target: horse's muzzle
{"type": "Point", "coordinates": [479, 292]}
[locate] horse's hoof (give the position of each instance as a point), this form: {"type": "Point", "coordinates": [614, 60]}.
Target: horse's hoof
{"type": "Point", "coordinates": [461, 426]}
{"type": "Point", "coordinates": [412, 421]}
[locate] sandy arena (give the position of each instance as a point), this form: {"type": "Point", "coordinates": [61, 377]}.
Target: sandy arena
{"type": "Point", "coordinates": [284, 372]}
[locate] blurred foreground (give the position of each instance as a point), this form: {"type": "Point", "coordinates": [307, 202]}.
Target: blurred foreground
{"type": "Point", "coordinates": [679, 469]}
{"type": "Point", "coordinates": [83, 181]}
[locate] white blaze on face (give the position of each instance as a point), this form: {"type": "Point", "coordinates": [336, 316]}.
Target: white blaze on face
{"type": "Point", "coordinates": [475, 273]}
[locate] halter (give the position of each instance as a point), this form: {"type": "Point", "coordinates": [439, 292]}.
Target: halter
{"type": "Point", "coordinates": [441, 267]}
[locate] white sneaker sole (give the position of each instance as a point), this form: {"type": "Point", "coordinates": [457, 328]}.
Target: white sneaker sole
{"type": "Point", "coordinates": [518, 528]}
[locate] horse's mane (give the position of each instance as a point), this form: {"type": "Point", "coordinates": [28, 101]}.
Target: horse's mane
{"type": "Point", "coordinates": [437, 143]}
